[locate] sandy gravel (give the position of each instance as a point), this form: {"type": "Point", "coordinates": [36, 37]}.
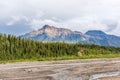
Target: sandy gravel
{"type": "Point", "coordinates": [110, 78]}
{"type": "Point", "coordinates": [61, 70]}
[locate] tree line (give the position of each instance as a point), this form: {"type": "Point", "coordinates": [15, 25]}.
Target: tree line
{"type": "Point", "coordinates": [15, 48]}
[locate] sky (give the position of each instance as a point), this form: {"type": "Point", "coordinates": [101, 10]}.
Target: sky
{"type": "Point", "coordinates": [18, 17]}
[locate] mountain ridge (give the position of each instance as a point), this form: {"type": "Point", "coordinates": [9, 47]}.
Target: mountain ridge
{"type": "Point", "coordinates": [53, 34]}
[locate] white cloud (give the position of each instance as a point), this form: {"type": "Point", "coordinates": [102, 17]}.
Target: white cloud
{"type": "Point", "coordinates": [14, 19]}
{"type": "Point", "coordinates": [79, 15]}
{"type": "Point", "coordinates": [116, 30]}
{"type": "Point", "coordinates": [79, 24]}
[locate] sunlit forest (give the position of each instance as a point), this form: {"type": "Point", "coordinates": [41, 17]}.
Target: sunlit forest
{"type": "Point", "coordinates": [15, 48]}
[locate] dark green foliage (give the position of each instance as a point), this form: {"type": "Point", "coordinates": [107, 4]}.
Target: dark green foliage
{"type": "Point", "coordinates": [14, 48]}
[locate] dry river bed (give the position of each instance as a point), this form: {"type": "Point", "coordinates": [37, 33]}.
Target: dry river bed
{"type": "Point", "coordinates": [95, 69]}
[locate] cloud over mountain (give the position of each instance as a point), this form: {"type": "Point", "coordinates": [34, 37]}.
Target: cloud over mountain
{"type": "Point", "coordinates": [79, 15]}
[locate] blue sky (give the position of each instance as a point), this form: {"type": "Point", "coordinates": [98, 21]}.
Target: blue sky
{"type": "Point", "coordinates": [21, 16]}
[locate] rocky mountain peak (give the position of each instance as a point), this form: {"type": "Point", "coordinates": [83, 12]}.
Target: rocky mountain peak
{"type": "Point", "coordinates": [47, 26]}
{"type": "Point", "coordinates": [95, 32]}
{"type": "Point", "coordinates": [54, 34]}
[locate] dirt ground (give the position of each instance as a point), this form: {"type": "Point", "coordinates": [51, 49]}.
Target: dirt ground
{"type": "Point", "coordinates": [61, 70]}
{"type": "Point", "coordinates": [110, 78]}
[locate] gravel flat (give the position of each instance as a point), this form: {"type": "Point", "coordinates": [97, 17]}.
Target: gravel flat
{"type": "Point", "coordinates": [95, 69]}
{"type": "Point", "coordinates": [110, 78]}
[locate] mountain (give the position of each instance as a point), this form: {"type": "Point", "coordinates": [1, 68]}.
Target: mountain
{"type": "Point", "coordinates": [53, 34]}
{"type": "Point", "coordinates": [101, 38]}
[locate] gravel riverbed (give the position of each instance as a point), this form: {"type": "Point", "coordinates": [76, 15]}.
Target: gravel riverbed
{"type": "Point", "coordinates": [91, 69]}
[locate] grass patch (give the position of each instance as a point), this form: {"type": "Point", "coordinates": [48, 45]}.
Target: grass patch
{"type": "Point", "coordinates": [63, 58]}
